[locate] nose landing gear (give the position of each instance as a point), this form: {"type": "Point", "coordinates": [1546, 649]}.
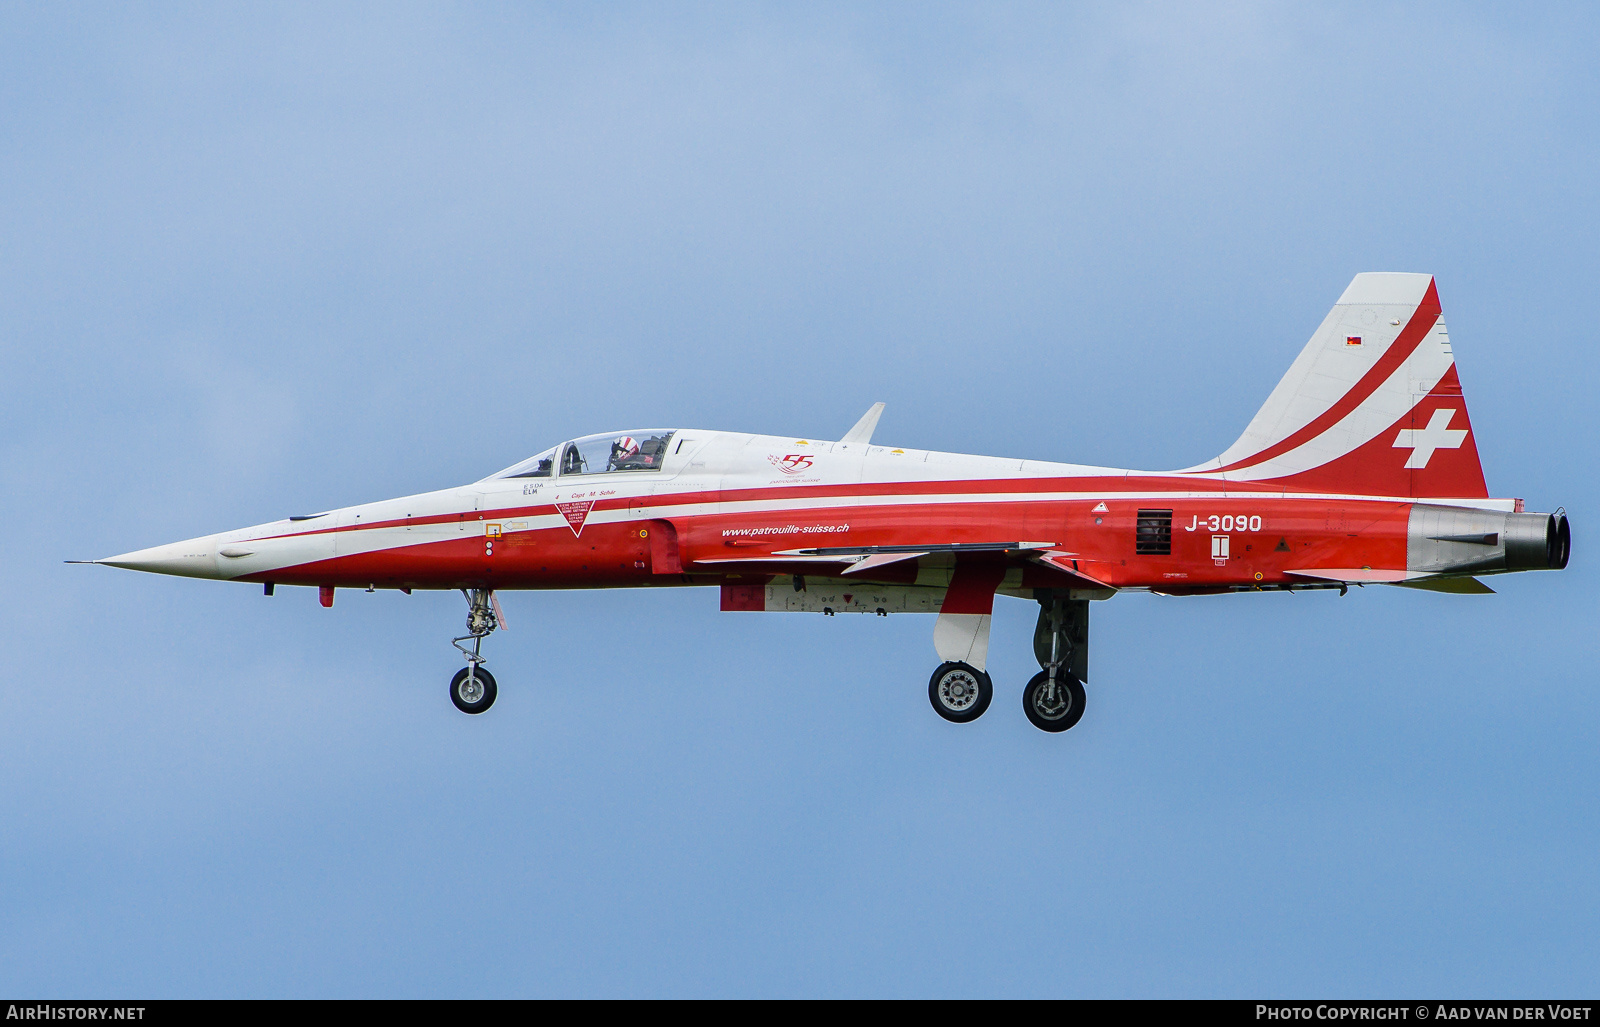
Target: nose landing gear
{"type": "Point", "coordinates": [473, 689]}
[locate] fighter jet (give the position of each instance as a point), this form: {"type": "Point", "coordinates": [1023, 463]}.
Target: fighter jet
{"type": "Point", "coordinates": [1361, 469]}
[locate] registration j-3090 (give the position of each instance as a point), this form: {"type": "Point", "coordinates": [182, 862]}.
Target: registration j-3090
{"type": "Point", "coordinates": [1224, 522]}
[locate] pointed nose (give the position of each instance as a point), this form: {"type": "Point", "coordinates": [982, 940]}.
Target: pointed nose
{"type": "Point", "coordinates": [196, 558]}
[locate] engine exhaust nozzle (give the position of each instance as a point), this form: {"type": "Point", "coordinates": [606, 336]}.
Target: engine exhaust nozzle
{"type": "Point", "coordinates": [1537, 542]}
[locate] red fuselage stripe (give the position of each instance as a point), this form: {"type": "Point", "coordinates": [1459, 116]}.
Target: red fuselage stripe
{"type": "Point", "coordinates": [1098, 484]}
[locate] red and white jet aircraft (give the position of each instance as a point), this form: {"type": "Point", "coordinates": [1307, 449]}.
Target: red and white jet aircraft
{"type": "Point", "coordinates": [1361, 468]}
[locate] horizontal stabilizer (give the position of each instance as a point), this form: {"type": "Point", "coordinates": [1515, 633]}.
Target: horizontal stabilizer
{"type": "Point", "coordinates": [1455, 586]}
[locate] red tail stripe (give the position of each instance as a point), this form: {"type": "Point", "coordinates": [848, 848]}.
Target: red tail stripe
{"type": "Point", "coordinates": [1410, 338]}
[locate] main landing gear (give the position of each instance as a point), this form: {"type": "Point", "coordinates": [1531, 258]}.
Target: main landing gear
{"type": "Point", "coordinates": [1053, 700]}
{"type": "Point", "coordinates": [1053, 705]}
{"type": "Point", "coordinates": [959, 692]}
{"type": "Point", "coordinates": [473, 689]}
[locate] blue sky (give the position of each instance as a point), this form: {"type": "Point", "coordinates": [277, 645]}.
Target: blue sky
{"type": "Point", "coordinates": [261, 260]}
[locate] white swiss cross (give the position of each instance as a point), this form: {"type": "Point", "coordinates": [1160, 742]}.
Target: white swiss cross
{"type": "Point", "coordinates": [1437, 435]}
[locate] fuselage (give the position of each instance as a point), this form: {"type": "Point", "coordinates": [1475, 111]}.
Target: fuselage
{"type": "Point", "coordinates": [721, 508]}
{"type": "Point", "coordinates": [1361, 468]}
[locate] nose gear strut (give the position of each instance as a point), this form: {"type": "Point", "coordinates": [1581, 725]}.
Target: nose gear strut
{"type": "Point", "coordinates": [473, 688]}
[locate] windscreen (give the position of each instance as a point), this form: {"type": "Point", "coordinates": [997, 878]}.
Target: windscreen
{"type": "Point", "coordinates": [541, 466]}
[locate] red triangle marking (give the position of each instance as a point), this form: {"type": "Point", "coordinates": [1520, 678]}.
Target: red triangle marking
{"type": "Point", "coordinates": [576, 514]}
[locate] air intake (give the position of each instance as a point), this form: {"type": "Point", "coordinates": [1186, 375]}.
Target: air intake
{"type": "Point", "coordinates": [1153, 535]}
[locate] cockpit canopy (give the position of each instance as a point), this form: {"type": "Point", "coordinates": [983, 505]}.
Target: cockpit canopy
{"type": "Point", "coordinates": [643, 449]}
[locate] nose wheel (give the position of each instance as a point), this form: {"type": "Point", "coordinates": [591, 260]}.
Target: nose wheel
{"type": "Point", "coordinates": [473, 688]}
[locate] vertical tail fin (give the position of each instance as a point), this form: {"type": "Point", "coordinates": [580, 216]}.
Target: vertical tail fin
{"type": "Point", "coordinates": [1372, 406]}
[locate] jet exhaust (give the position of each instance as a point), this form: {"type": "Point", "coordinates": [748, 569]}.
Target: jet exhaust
{"type": "Point", "coordinates": [1537, 542]}
{"type": "Point", "coordinates": [1453, 540]}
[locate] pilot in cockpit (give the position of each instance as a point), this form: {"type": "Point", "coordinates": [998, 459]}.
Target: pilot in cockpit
{"type": "Point", "coordinates": [623, 450]}
{"type": "Point", "coordinates": [596, 454]}
{"type": "Point", "coordinates": [629, 454]}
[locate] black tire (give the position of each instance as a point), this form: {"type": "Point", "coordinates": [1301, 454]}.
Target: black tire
{"type": "Point", "coordinates": [1063, 715]}
{"type": "Point", "coordinates": [959, 692]}
{"type": "Point", "coordinates": [483, 678]}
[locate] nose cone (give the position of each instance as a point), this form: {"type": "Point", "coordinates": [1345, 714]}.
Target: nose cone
{"type": "Point", "coordinates": [196, 558]}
